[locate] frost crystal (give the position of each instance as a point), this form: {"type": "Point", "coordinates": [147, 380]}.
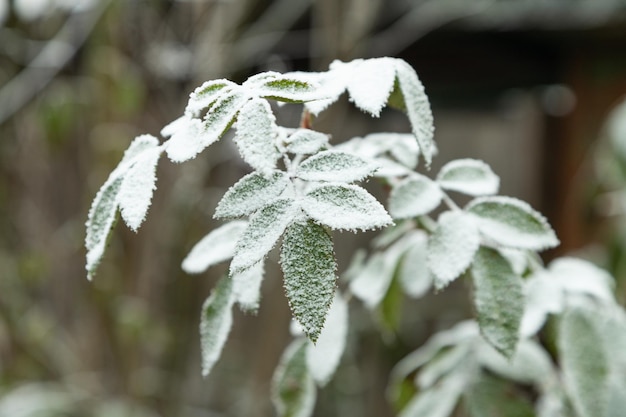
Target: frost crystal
{"type": "Point", "coordinates": [333, 165]}
{"type": "Point", "coordinates": [206, 95]}
{"type": "Point", "coordinates": [216, 247]}
{"type": "Point", "coordinates": [469, 176]}
{"type": "Point", "coordinates": [256, 135]}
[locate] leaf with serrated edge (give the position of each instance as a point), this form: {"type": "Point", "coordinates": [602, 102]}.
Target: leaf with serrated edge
{"type": "Point", "coordinates": [250, 193]}
{"type": "Point", "coordinates": [498, 300]}
{"type": "Point", "coordinates": [345, 207]}
{"type": "Point", "coordinates": [194, 135]}
{"type": "Point", "coordinates": [584, 362]}
{"type": "Point", "coordinates": [452, 246]}
{"type": "Point", "coordinates": [204, 96]}
{"type": "Point", "coordinates": [256, 135]}
{"type": "Point", "coordinates": [293, 388]}
{"type": "Point", "coordinates": [266, 226]}
{"type": "Point", "coordinates": [513, 223]}
{"type": "Point", "coordinates": [468, 176]}
{"type": "Point", "coordinates": [138, 185]}
{"type": "Point", "coordinates": [215, 323]}
{"type": "Point", "coordinates": [308, 264]}
{"type": "Point", "coordinates": [323, 357]}
{"type": "Point", "coordinates": [247, 287]}
{"type": "Point", "coordinates": [216, 247]}
{"type": "Point", "coordinates": [414, 196]}
{"type": "Point", "coordinates": [335, 166]}
{"type": "Point", "coordinates": [306, 142]}
{"type": "Point", "coordinates": [371, 83]}
{"type": "Point", "coordinates": [290, 87]}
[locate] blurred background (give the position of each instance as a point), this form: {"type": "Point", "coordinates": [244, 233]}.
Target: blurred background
{"type": "Point", "coordinates": [526, 85]}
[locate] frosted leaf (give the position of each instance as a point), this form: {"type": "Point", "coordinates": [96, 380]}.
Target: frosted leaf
{"type": "Point", "coordinates": [306, 142]}
{"type": "Point", "coordinates": [289, 87]}
{"type": "Point", "coordinates": [531, 364]}
{"type": "Point", "coordinates": [216, 247]}
{"type": "Point", "coordinates": [513, 223]}
{"type": "Point", "coordinates": [180, 124]}
{"type": "Point", "coordinates": [371, 284]}
{"type": "Point", "coordinates": [543, 295]}
{"type": "Point", "coordinates": [414, 196]}
{"type": "Point", "coordinates": [517, 258]}
{"type": "Point", "coordinates": [403, 148]}
{"type": "Point", "coordinates": [194, 135]}
{"type": "Point", "coordinates": [247, 287]}
{"type": "Point", "coordinates": [293, 388]}
{"type": "Point", "coordinates": [138, 185]}
{"type": "Point", "coordinates": [323, 357]}
{"type": "Point", "coordinates": [215, 323]}
{"type": "Point", "coordinates": [250, 193]}
{"type": "Point", "coordinates": [308, 264]}
{"type": "Point", "coordinates": [498, 300]}
{"type": "Point", "coordinates": [442, 364]}
{"type": "Point", "coordinates": [439, 401]}
{"type": "Point", "coordinates": [206, 95]}
{"type": "Point", "coordinates": [256, 135]}
{"type": "Point", "coordinates": [334, 166]}
{"type": "Point", "coordinates": [344, 206]}
{"type": "Point", "coordinates": [414, 275]}
{"type": "Point", "coordinates": [136, 148]}
{"type": "Point", "coordinates": [371, 84]}
{"type": "Point", "coordinates": [452, 246]}
{"type": "Point", "coordinates": [417, 108]}
{"type": "Point", "coordinates": [584, 362]}
{"type": "Point", "coordinates": [579, 276]}
{"type": "Point", "coordinates": [333, 84]}
{"type": "Point", "coordinates": [266, 226]}
{"type": "Point", "coordinates": [390, 169]}
{"type": "Point", "coordinates": [468, 176]}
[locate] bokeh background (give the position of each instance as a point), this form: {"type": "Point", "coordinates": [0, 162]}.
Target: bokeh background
{"type": "Point", "coordinates": [525, 85]}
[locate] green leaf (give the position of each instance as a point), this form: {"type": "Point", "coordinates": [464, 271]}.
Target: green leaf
{"type": "Point", "coordinates": [306, 142]}
{"type": "Point", "coordinates": [513, 223]}
{"type": "Point", "coordinates": [489, 396]}
{"type": "Point", "coordinates": [308, 263]}
{"type": "Point", "coordinates": [468, 176]}
{"type": "Point", "coordinates": [216, 247]}
{"type": "Point", "coordinates": [452, 246]}
{"type": "Point", "coordinates": [206, 95]}
{"type": "Point", "coordinates": [334, 166]}
{"type": "Point", "coordinates": [250, 193]}
{"type": "Point", "coordinates": [438, 401]}
{"type": "Point", "coordinates": [266, 226]}
{"type": "Point", "coordinates": [344, 206]}
{"type": "Point", "coordinates": [290, 88]}
{"type": "Point", "coordinates": [215, 323]}
{"type": "Point", "coordinates": [498, 300]}
{"type": "Point", "coordinates": [442, 365]}
{"type": "Point", "coordinates": [257, 134]}
{"type": "Point", "coordinates": [414, 196]}
{"type": "Point", "coordinates": [293, 389]}
{"type": "Point", "coordinates": [585, 363]}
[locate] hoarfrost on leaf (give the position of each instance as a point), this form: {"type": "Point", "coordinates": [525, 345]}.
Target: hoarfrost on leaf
{"type": "Point", "coordinates": [414, 196]}
{"type": "Point", "coordinates": [206, 95]}
{"type": "Point", "coordinates": [345, 206]}
{"type": "Point", "coordinates": [543, 295]}
{"type": "Point", "coordinates": [323, 357]}
{"type": "Point", "coordinates": [438, 401]}
{"type": "Point", "coordinates": [335, 166]}
{"type": "Point", "coordinates": [266, 226]}
{"type": "Point", "coordinates": [215, 247]}
{"type": "Point", "coordinates": [579, 276]}
{"type": "Point", "coordinates": [293, 388]}
{"type": "Point", "coordinates": [290, 87]}
{"type": "Point", "coordinates": [372, 282]}
{"type": "Point", "coordinates": [414, 275]}
{"type": "Point", "coordinates": [306, 142]}
{"type": "Point", "coordinates": [215, 323]}
{"type": "Point", "coordinates": [442, 364]}
{"type": "Point", "coordinates": [257, 134]}
{"type": "Point", "coordinates": [247, 287]}
{"type": "Point", "coordinates": [371, 84]}
{"type": "Point", "coordinates": [468, 176]}
{"type": "Point", "coordinates": [498, 299]}
{"type": "Point", "coordinates": [513, 223]}
{"type": "Point", "coordinates": [250, 193]}
{"type": "Point", "coordinates": [452, 246]}
{"type": "Point", "coordinates": [308, 263]}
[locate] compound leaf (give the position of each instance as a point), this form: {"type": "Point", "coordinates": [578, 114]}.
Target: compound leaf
{"type": "Point", "coordinates": [250, 193]}
{"type": "Point", "coordinates": [335, 166]}
{"type": "Point", "coordinates": [217, 246]}
{"type": "Point", "coordinates": [468, 176]}
{"type": "Point", "coordinates": [308, 263]}
{"type": "Point", "coordinates": [256, 135]}
{"type": "Point", "coordinates": [215, 323]}
{"type": "Point", "coordinates": [293, 388]}
{"type": "Point", "coordinates": [414, 196]}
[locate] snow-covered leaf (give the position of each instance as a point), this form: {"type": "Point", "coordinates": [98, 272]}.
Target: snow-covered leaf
{"type": "Point", "coordinates": [217, 246]}
{"type": "Point", "coordinates": [138, 185]}
{"type": "Point", "coordinates": [250, 193]}
{"type": "Point", "coordinates": [371, 83]}
{"type": "Point", "coordinates": [215, 323]}
{"type": "Point", "coordinates": [266, 226]}
{"type": "Point", "coordinates": [289, 87]}
{"type": "Point", "coordinates": [323, 357]}
{"type": "Point", "coordinates": [438, 401]}
{"type": "Point", "coordinates": [452, 246]}
{"type": "Point", "coordinates": [345, 206]}
{"type": "Point", "coordinates": [512, 223]}
{"type": "Point", "coordinates": [498, 300]}
{"type": "Point", "coordinates": [333, 83]}
{"type": "Point", "coordinates": [584, 362]}
{"type": "Point", "coordinates": [192, 135]}
{"type": "Point", "coordinates": [543, 295]}
{"type": "Point", "coordinates": [576, 275]}
{"type": "Point", "coordinates": [306, 142]}
{"type": "Point", "coordinates": [441, 365]}
{"type": "Point", "coordinates": [414, 196]}
{"type": "Point", "coordinates": [414, 275]}
{"type": "Point", "coordinates": [334, 166]}
{"type": "Point", "coordinates": [403, 148]}
{"type": "Point", "coordinates": [256, 135]}
{"type": "Point", "coordinates": [308, 263]}
{"type": "Point", "coordinates": [247, 287]}
{"type": "Point", "coordinates": [417, 108]}
{"type": "Point", "coordinates": [372, 282]}
{"type": "Point", "coordinates": [206, 95]}
{"type": "Point", "coordinates": [293, 388]}
{"type": "Point", "coordinates": [468, 176]}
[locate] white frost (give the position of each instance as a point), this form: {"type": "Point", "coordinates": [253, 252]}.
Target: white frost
{"type": "Point", "coordinates": [468, 176]}
{"type": "Point", "coordinates": [215, 247]}
{"type": "Point", "coordinates": [414, 275]}
{"type": "Point", "coordinates": [256, 135]}
{"type": "Point", "coordinates": [371, 83]}
{"type": "Point", "coordinates": [215, 323]}
{"type": "Point", "coordinates": [414, 196]}
{"type": "Point", "coordinates": [335, 166]}
{"type": "Point", "coordinates": [306, 142]}
{"type": "Point", "coordinates": [247, 287]}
